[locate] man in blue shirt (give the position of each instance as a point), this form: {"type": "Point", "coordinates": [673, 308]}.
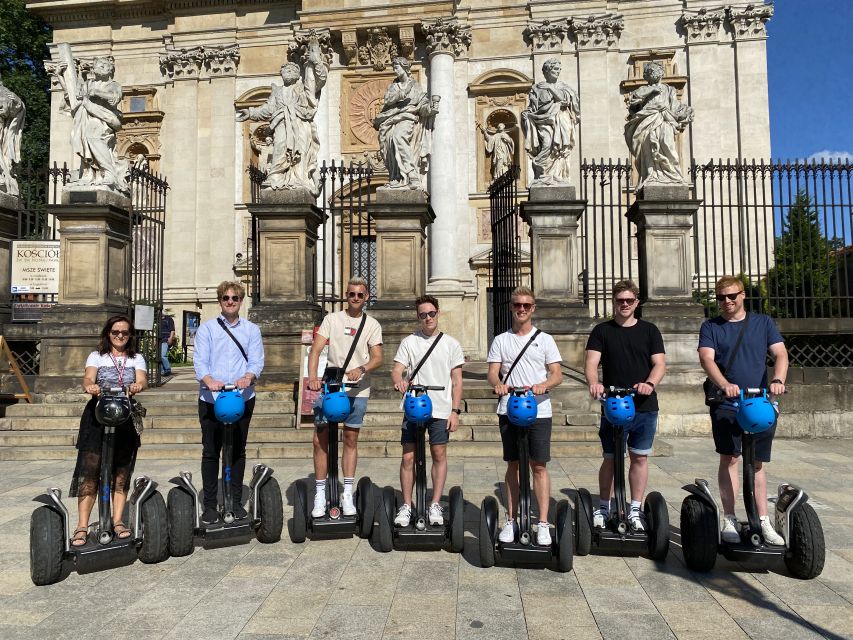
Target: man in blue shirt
{"type": "Point", "coordinates": [167, 339]}
{"type": "Point", "coordinates": [228, 350]}
{"type": "Point", "coordinates": [717, 340]}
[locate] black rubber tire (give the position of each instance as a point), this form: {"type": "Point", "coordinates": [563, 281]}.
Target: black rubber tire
{"type": "Point", "coordinates": [47, 545]}
{"type": "Point", "coordinates": [300, 513]}
{"type": "Point", "coordinates": [488, 513]}
{"type": "Point", "coordinates": [583, 520]}
{"type": "Point", "coordinates": [182, 517]}
{"type": "Point", "coordinates": [657, 523]}
{"type": "Point", "coordinates": [155, 529]}
{"type": "Point", "coordinates": [383, 534]}
{"type": "Point", "coordinates": [457, 519]}
{"type": "Point", "coordinates": [807, 550]}
{"type": "Point", "coordinates": [271, 512]}
{"type": "Point", "coordinates": [365, 502]}
{"type": "Point", "coordinates": [699, 533]}
{"type": "Point", "coordinates": [565, 540]}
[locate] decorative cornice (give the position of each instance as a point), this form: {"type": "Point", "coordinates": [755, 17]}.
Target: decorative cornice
{"type": "Point", "coordinates": [597, 32]}
{"type": "Point", "coordinates": [446, 35]}
{"type": "Point", "coordinates": [378, 50]}
{"type": "Point", "coordinates": [298, 50]}
{"type": "Point", "coordinates": [703, 25]}
{"type": "Point", "coordinates": [546, 35]}
{"type": "Point", "coordinates": [217, 60]}
{"type": "Point", "coordinates": [83, 65]}
{"type": "Point", "coordinates": [749, 22]}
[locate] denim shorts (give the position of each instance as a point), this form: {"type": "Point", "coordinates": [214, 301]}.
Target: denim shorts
{"type": "Point", "coordinates": [437, 428]}
{"type": "Point", "coordinates": [639, 435]}
{"type": "Point", "coordinates": [358, 407]}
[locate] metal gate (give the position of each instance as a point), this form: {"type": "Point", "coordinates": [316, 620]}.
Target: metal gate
{"type": "Point", "coordinates": [506, 247]}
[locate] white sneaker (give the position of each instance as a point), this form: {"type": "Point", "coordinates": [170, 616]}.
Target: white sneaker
{"type": "Point", "coordinates": [404, 516]}
{"type": "Point", "coordinates": [730, 529]}
{"type": "Point", "coordinates": [435, 515]}
{"type": "Point", "coordinates": [543, 535]}
{"type": "Point", "coordinates": [637, 521]}
{"type": "Point", "coordinates": [599, 518]}
{"type": "Point", "coordinates": [319, 505]}
{"type": "Point", "coordinates": [507, 534]}
{"type": "Point", "coordinates": [769, 533]}
{"type": "Point", "coordinates": [347, 505]}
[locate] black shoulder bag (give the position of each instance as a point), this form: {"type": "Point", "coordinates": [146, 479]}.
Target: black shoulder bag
{"type": "Point", "coordinates": [714, 395]}
{"type": "Point", "coordinates": [231, 335]}
{"type": "Point", "coordinates": [518, 357]}
{"type": "Point", "coordinates": [424, 359]}
{"type": "Point", "coordinates": [336, 374]}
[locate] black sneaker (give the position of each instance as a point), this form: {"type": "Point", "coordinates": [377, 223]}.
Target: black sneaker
{"type": "Point", "coordinates": [239, 512]}
{"type": "Point", "coordinates": [210, 516]}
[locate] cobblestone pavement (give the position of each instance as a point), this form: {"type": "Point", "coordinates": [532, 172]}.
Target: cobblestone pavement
{"type": "Point", "coordinates": [346, 589]}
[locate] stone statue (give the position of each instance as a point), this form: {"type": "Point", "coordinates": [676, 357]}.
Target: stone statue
{"type": "Point", "coordinates": [403, 124]}
{"type": "Point", "coordinates": [500, 147]}
{"type": "Point", "coordinates": [290, 111]}
{"type": "Point", "coordinates": [654, 117]}
{"type": "Point", "coordinates": [94, 108]}
{"type": "Point", "coordinates": [549, 123]}
{"type": "Point", "coordinates": [12, 114]}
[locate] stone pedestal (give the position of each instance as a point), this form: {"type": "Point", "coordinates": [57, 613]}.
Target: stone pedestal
{"type": "Point", "coordinates": [9, 206]}
{"type": "Point", "coordinates": [287, 246]}
{"type": "Point", "coordinates": [553, 213]}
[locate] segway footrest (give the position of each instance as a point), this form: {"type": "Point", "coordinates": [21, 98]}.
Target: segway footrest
{"type": "Point", "coordinates": [525, 553]}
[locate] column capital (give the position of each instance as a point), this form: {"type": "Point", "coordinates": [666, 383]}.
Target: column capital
{"type": "Point", "coordinates": [303, 38]}
{"type": "Point", "coordinates": [749, 22]}
{"type": "Point", "coordinates": [702, 25]}
{"type": "Point", "coordinates": [546, 36]}
{"type": "Point", "coordinates": [597, 32]}
{"type": "Point", "coordinates": [213, 61]}
{"type": "Point", "coordinates": [446, 35]}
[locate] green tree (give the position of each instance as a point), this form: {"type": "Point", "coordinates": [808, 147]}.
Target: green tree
{"type": "Point", "coordinates": [799, 285]}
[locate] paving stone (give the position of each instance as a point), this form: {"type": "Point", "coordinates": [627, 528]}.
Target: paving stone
{"type": "Point", "coordinates": [349, 622]}
{"type": "Point", "coordinates": [637, 626]}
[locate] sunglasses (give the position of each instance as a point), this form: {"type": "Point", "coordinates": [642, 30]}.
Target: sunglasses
{"type": "Point", "coordinates": [626, 301]}
{"type": "Point", "coordinates": [230, 298]}
{"type": "Point", "coordinates": [524, 306]}
{"type": "Point", "coordinates": [119, 334]}
{"type": "Point", "coordinates": [356, 294]}
{"type": "Point", "coordinates": [730, 296]}
{"type": "Point", "coordinates": [427, 314]}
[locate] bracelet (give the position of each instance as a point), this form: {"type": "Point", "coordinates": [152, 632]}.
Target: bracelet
{"type": "Point", "coordinates": [650, 383]}
{"type": "Point", "coordinates": [777, 380]}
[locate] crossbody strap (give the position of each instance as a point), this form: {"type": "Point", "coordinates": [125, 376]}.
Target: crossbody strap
{"type": "Point", "coordinates": [231, 335]}
{"type": "Point", "coordinates": [520, 353]}
{"type": "Point", "coordinates": [737, 344]}
{"type": "Point", "coordinates": [355, 341]}
{"type": "Point", "coordinates": [426, 355]}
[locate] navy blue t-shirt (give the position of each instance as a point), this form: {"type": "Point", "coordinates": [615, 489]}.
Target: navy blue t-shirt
{"type": "Point", "coordinates": [749, 368]}
{"type": "Point", "coordinates": [167, 325]}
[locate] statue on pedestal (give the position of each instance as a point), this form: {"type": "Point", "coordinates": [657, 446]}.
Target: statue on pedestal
{"type": "Point", "coordinates": [94, 108]}
{"type": "Point", "coordinates": [290, 111]}
{"type": "Point", "coordinates": [403, 124]}
{"type": "Point", "coordinates": [500, 147]}
{"type": "Point", "coordinates": [654, 117]}
{"type": "Point", "coordinates": [549, 123]}
{"type": "Point", "coordinates": [12, 114]}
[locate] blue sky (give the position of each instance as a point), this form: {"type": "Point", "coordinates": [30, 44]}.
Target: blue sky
{"type": "Point", "coordinates": [810, 76]}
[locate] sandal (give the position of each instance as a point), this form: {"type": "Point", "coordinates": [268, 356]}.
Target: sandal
{"type": "Point", "coordinates": [121, 531]}
{"type": "Point", "coordinates": [80, 537]}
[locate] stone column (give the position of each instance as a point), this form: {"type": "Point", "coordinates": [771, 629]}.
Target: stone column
{"type": "Point", "coordinates": [287, 249]}
{"type": "Point", "coordinates": [9, 211]}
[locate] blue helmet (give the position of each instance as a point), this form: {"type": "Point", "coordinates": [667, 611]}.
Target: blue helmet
{"type": "Point", "coordinates": [111, 411]}
{"type": "Point", "coordinates": [619, 410]}
{"type": "Point", "coordinates": [417, 408]}
{"type": "Point", "coordinates": [229, 406]}
{"type": "Point", "coordinates": [336, 406]}
{"type": "Point", "coordinates": [521, 410]}
{"type": "Point", "coordinates": [755, 415]}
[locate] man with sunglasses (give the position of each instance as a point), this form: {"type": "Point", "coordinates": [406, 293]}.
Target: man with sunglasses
{"type": "Point", "coordinates": [718, 341]}
{"type": "Point", "coordinates": [631, 354]}
{"type": "Point", "coordinates": [539, 369]}
{"type": "Point", "coordinates": [441, 368]}
{"type": "Point", "coordinates": [339, 330]}
{"type": "Point", "coordinates": [228, 350]}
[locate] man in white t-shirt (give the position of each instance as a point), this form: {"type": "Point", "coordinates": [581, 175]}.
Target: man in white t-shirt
{"type": "Point", "coordinates": [539, 369]}
{"type": "Point", "coordinates": [443, 368]}
{"type": "Point", "coordinates": [338, 330]}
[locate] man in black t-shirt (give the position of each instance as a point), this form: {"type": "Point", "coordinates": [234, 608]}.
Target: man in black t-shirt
{"type": "Point", "coordinates": [631, 354]}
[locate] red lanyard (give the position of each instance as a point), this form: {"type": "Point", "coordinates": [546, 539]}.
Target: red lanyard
{"type": "Point", "coordinates": [120, 372]}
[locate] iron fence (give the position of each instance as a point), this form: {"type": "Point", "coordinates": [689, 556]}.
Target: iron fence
{"type": "Point", "coordinates": [39, 186]}
{"type": "Point", "coordinates": [506, 248]}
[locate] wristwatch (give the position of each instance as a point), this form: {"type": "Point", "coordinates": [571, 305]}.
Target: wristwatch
{"type": "Point", "coordinates": [458, 412]}
{"type": "Point", "coordinates": [362, 369]}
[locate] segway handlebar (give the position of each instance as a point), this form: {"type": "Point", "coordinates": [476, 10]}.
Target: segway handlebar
{"type": "Point", "coordinates": [521, 390]}
{"type": "Point", "coordinates": [340, 385]}
{"type": "Point", "coordinates": [424, 387]}
{"type": "Point", "coordinates": [114, 390]}
{"type": "Point", "coordinates": [225, 387]}
{"type": "Point", "coordinates": [618, 391]}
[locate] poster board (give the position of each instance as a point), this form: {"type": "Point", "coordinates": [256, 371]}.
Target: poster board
{"type": "Point", "coordinates": [35, 266]}
{"type": "Point", "coordinates": [191, 323]}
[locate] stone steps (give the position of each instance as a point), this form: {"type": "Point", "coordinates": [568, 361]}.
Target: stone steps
{"type": "Point", "coordinates": [155, 409]}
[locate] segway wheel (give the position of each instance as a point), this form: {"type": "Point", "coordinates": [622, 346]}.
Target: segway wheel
{"type": "Point", "coordinates": [488, 531]}
{"type": "Point", "coordinates": [300, 513]}
{"type": "Point", "coordinates": [365, 502]}
{"type": "Point", "coordinates": [383, 534]}
{"type": "Point", "coordinates": [698, 534]}
{"type": "Point", "coordinates": [271, 512]}
{"type": "Point", "coordinates": [457, 520]}
{"type": "Point", "coordinates": [565, 541]}
{"type": "Point", "coordinates": [182, 515]}
{"type": "Point", "coordinates": [657, 522]}
{"type": "Point", "coordinates": [807, 550]}
{"type": "Point", "coordinates": [583, 520]}
{"type": "Point", "coordinates": [155, 529]}
{"type": "Point", "coordinates": [47, 545]}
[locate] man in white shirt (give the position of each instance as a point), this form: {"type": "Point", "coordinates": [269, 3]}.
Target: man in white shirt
{"type": "Point", "coordinates": [442, 368]}
{"type": "Point", "coordinates": [539, 369]}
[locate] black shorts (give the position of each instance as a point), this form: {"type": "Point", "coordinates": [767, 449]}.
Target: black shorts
{"type": "Point", "coordinates": [728, 434]}
{"type": "Point", "coordinates": [539, 440]}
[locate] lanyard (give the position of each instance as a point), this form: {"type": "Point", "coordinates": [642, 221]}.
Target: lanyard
{"type": "Point", "coordinates": [120, 372]}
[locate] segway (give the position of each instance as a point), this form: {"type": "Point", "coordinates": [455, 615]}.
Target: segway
{"type": "Point", "coordinates": [50, 542]}
{"type": "Point", "coordinates": [617, 537]}
{"type": "Point", "coordinates": [264, 518]}
{"type": "Point", "coordinates": [333, 523]}
{"type": "Point", "coordinates": [417, 408]}
{"type": "Point", "coordinates": [804, 549]}
{"type": "Point", "coordinates": [521, 411]}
